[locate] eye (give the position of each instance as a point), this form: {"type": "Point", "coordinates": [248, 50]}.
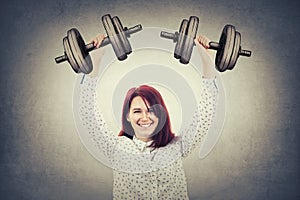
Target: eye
{"type": "Point", "coordinates": [136, 111]}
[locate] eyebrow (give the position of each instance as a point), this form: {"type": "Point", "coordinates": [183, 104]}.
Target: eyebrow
{"type": "Point", "coordinates": [139, 109]}
{"type": "Point", "coordinates": [136, 109]}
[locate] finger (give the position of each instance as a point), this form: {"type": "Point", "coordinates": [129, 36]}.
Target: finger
{"type": "Point", "coordinates": [197, 42]}
{"type": "Point", "coordinates": [98, 43]}
{"type": "Point", "coordinates": [97, 40]}
{"type": "Point", "coordinates": [200, 47]}
{"type": "Point", "coordinates": [204, 41]}
{"type": "Point", "coordinates": [100, 39]}
{"type": "Point", "coordinates": [95, 43]}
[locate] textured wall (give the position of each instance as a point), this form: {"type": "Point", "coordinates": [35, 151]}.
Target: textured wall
{"type": "Point", "coordinates": [41, 156]}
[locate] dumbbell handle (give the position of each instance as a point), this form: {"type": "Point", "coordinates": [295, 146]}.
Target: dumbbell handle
{"type": "Point", "coordinates": [216, 46]}
{"type": "Point", "coordinates": [212, 45]}
{"type": "Point", "coordinates": [167, 35]}
{"type": "Point", "coordinates": [89, 47]}
{"type": "Point", "coordinates": [132, 30]}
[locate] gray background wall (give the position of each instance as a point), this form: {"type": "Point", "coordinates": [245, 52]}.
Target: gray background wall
{"type": "Point", "coordinates": [41, 156]}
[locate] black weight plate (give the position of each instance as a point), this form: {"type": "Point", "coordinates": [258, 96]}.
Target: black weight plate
{"type": "Point", "coordinates": [189, 41]}
{"type": "Point", "coordinates": [70, 56]}
{"type": "Point", "coordinates": [226, 45]}
{"type": "Point", "coordinates": [181, 38]}
{"type": "Point", "coordinates": [81, 56]}
{"type": "Point", "coordinates": [113, 37]}
{"type": "Point", "coordinates": [236, 50]}
{"type": "Point", "coordinates": [120, 31]}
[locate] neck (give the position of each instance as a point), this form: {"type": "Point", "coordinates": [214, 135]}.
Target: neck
{"type": "Point", "coordinates": [143, 139]}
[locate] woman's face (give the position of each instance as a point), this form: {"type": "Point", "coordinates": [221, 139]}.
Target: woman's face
{"type": "Point", "coordinates": [142, 119]}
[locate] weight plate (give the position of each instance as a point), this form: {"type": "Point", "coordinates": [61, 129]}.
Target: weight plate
{"type": "Point", "coordinates": [80, 55]}
{"type": "Point", "coordinates": [236, 50]}
{"type": "Point", "coordinates": [226, 45]}
{"type": "Point", "coordinates": [181, 38]}
{"type": "Point", "coordinates": [113, 37]}
{"type": "Point", "coordinates": [70, 56]}
{"type": "Point", "coordinates": [189, 41]}
{"type": "Point", "coordinates": [120, 31]}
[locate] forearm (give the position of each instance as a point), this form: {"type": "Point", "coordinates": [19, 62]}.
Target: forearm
{"type": "Point", "coordinates": [208, 66]}
{"type": "Point", "coordinates": [206, 56]}
{"type": "Point", "coordinates": [203, 117]}
{"type": "Point", "coordinates": [91, 117]}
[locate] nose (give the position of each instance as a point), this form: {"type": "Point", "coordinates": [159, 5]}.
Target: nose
{"type": "Point", "coordinates": [145, 116]}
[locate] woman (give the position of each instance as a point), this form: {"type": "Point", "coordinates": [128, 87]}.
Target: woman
{"type": "Point", "coordinates": [146, 157]}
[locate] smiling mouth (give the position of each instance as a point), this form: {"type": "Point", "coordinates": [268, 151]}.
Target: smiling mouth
{"type": "Point", "coordinates": [145, 125]}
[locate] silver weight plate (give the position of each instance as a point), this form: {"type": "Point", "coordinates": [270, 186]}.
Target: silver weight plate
{"type": "Point", "coordinates": [70, 55]}
{"type": "Point", "coordinates": [226, 46]}
{"type": "Point", "coordinates": [113, 37]}
{"type": "Point", "coordinates": [77, 46]}
{"type": "Point", "coordinates": [189, 41]}
{"type": "Point", "coordinates": [236, 50]}
{"type": "Point", "coordinates": [120, 31]}
{"type": "Point", "coordinates": [181, 39]}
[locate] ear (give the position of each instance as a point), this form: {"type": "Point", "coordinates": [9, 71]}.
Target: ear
{"type": "Point", "coordinates": [127, 117]}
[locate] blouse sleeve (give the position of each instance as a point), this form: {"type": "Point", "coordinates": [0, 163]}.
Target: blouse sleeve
{"type": "Point", "coordinates": [202, 118]}
{"type": "Point", "coordinates": [93, 120]}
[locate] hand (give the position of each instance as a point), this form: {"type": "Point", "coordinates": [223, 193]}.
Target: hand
{"type": "Point", "coordinates": [208, 65]}
{"type": "Point", "coordinates": [98, 40]}
{"type": "Point", "coordinates": [203, 40]}
{"type": "Point", "coordinates": [97, 56]}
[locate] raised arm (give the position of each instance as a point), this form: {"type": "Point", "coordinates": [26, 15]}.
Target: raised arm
{"type": "Point", "coordinates": [91, 117]}
{"type": "Point", "coordinates": [205, 112]}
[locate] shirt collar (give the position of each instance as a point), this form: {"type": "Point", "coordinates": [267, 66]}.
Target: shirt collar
{"type": "Point", "coordinates": [141, 145]}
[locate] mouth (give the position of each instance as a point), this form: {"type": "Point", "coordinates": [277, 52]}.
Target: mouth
{"type": "Point", "coordinates": [146, 125]}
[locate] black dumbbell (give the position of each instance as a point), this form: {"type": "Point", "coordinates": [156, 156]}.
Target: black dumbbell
{"type": "Point", "coordinates": [228, 48]}
{"type": "Point", "coordinates": [76, 52]}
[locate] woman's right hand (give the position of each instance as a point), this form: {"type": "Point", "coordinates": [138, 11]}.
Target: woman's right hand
{"type": "Point", "coordinates": [97, 56]}
{"type": "Point", "coordinates": [98, 40]}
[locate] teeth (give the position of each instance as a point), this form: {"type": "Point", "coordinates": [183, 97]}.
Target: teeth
{"type": "Point", "coordinates": [145, 125]}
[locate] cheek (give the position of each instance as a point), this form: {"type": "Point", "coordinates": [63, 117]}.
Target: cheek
{"type": "Point", "coordinates": [132, 117]}
{"type": "Point", "coordinates": [156, 120]}
{"type": "Point", "coordinates": [154, 117]}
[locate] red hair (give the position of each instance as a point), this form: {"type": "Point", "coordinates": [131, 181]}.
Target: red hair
{"type": "Point", "coordinates": [153, 97]}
